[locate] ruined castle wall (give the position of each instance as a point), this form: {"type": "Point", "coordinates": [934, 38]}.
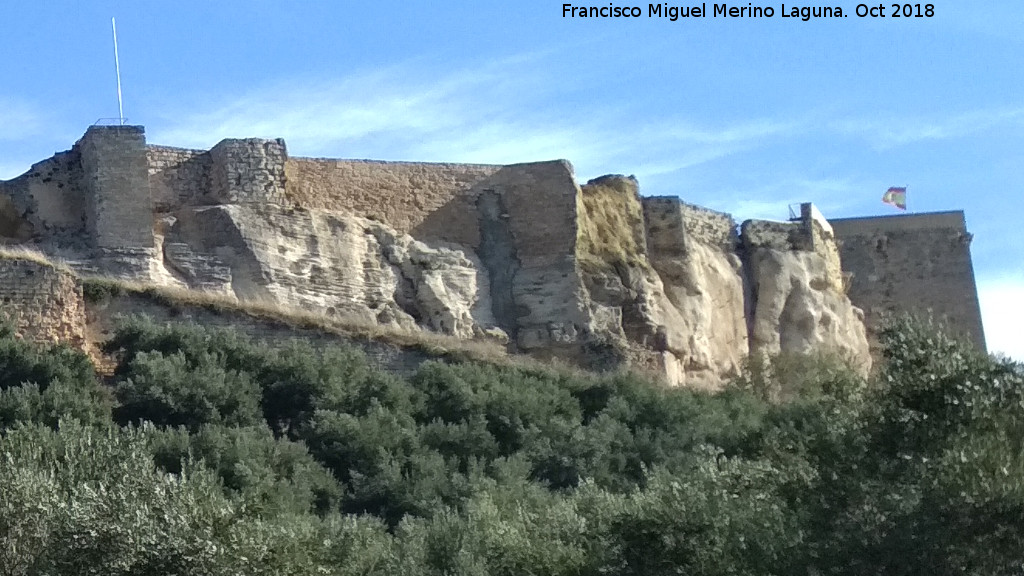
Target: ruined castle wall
{"type": "Point", "coordinates": [119, 213]}
{"type": "Point", "coordinates": [177, 177]}
{"type": "Point", "coordinates": [47, 201]}
{"type": "Point", "coordinates": [672, 223]}
{"type": "Point", "coordinates": [43, 303]}
{"type": "Point", "coordinates": [540, 203]}
{"type": "Point", "coordinates": [428, 201]}
{"type": "Point", "coordinates": [914, 263]}
{"type": "Point", "coordinates": [247, 171]}
{"type": "Point", "coordinates": [693, 250]}
{"type": "Point", "coordinates": [796, 301]}
{"type": "Point", "coordinates": [776, 235]}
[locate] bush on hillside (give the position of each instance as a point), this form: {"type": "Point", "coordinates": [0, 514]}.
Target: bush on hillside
{"type": "Point", "coordinates": [43, 383]}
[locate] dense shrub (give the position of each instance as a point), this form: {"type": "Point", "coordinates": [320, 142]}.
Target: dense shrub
{"type": "Point", "coordinates": [90, 501]}
{"type": "Point", "coordinates": [276, 474]}
{"type": "Point", "coordinates": [175, 390]}
{"type": "Point", "coordinates": [45, 383]}
{"type": "Point", "coordinates": [311, 460]}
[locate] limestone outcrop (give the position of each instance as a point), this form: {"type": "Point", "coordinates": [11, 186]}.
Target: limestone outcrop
{"type": "Point", "coordinates": [594, 275]}
{"type": "Point", "coordinates": [332, 264]}
{"type": "Point", "coordinates": [682, 292]}
{"type": "Point", "coordinates": [799, 304]}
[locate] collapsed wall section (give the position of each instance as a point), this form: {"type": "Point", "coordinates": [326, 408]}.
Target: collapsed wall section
{"type": "Point", "coordinates": [917, 263]}
{"type": "Point", "coordinates": [178, 177]}
{"type": "Point", "coordinates": [796, 298]}
{"type": "Point", "coordinates": [42, 303]}
{"type": "Point", "coordinates": [693, 250]}
{"type": "Point", "coordinates": [673, 284]}
{"type": "Point", "coordinates": [432, 202]}
{"type": "Point", "coordinates": [46, 203]}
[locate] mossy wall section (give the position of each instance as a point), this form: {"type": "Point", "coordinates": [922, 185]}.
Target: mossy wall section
{"type": "Point", "coordinates": [611, 224]}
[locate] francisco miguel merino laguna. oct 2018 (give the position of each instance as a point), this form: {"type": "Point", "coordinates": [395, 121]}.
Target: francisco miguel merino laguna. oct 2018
{"type": "Point", "coordinates": [804, 13]}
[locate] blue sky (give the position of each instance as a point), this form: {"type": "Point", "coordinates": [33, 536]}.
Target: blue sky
{"type": "Point", "coordinates": [740, 115]}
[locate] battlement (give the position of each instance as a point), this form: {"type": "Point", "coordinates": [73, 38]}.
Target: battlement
{"type": "Point", "coordinates": [952, 219]}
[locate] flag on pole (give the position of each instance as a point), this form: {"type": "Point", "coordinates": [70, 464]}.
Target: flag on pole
{"type": "Point", "coordinates": [896, 196]}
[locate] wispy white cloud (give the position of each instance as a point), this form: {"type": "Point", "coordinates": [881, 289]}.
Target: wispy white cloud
{"type": "Point", "coordinates": [20, 120]}
{"type": "Point", "coordinates": [494, 113]}
{"type": "Point", "coordinates": [887, 131]}
{"type": "Point", "coordinates": [1002, 312]}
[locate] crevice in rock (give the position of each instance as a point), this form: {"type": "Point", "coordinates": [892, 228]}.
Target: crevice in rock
{"type": "Point", "coordinates": [498, 254]}
{"type": "Point", "coordinates": [745, 253]}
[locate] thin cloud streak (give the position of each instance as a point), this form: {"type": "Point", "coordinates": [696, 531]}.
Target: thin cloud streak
{"type": "Point", "coordinates": [885, 133]}
{"type": "Point", "coordinates": [770, 201]}
{"type": "Point", "coordinates": [482, 115]}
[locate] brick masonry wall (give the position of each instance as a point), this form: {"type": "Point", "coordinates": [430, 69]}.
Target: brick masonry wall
{"type": "Point", "coordinates": [671, 223]}
{"type": "Point", "coordinates": [916, 263]}
{"type": "Point", "coordinates": [541, 203]}
{"type": "Point", "coordinates": [43, 303]}
{"type": "Point", "coordinates": [776, 235]}
{"type": "Point", "coordinates": [428, 201]}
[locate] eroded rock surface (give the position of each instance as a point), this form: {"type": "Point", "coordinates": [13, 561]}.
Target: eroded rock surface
{"type": "Point", "coordinates": [798, 301]}
{"type": "Point", "coordinates": [669, 283]}
{"type": "Point", "coordinates": [333, 264]}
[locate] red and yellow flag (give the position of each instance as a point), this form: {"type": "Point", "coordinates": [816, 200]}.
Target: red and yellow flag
{"type": "Point", "coordinates": [896, 196]}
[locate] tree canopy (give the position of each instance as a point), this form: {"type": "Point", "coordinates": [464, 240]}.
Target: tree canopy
{"type": "Point", "coordinates": [209, 453]}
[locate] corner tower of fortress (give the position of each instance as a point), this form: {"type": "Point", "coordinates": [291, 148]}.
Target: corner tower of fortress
{"type": "Point", "coordinates": [919, 263]}
{"type": "Point", "coordinates": [594, 274]}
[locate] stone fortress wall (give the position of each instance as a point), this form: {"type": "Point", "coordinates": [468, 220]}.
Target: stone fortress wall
{"type": "Point", "coordinates": [428, 201]}
{"type": "Point", "coordinates": [471, 250]}
{"type": "Point", "coordinates": [42, 303]}
{"type": "Point", "coordinates": [917, 263]}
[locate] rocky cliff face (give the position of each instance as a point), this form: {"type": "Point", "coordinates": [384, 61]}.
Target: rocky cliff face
{"type": "Point", "coordinates": [334, 264]}
{"type": "Point", "coordinates": [799, 304]}
{"type": "Point", "coordinates": [595, 275]}
{"type": "Point", "coordinates": [681, 292]}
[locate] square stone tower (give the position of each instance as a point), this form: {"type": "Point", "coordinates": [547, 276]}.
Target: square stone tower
{"type": "Point", "coordinates": [118, 207]}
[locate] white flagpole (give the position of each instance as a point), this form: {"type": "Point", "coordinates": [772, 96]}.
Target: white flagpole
{"type": "Point", "coordinates": [117, 67]}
